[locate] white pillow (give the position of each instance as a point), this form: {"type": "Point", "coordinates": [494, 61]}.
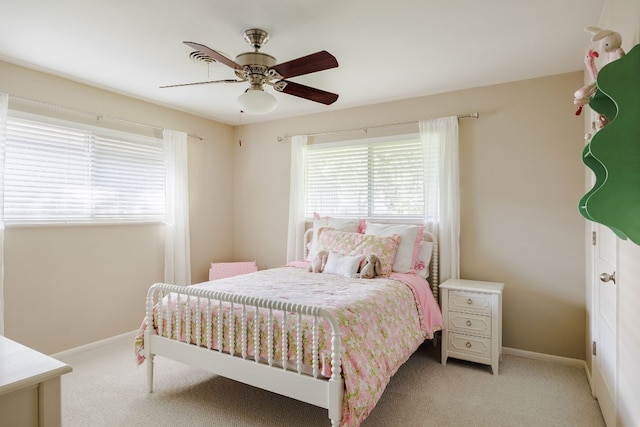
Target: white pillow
{"type": "Point", "coordinates": [424, 259]}
{"type": "Point", "coordinates": [342, 265]}
{"type": "Point", "coordinates": [341, 224]}
{"type": "Point", "coordinates": [410, 238]}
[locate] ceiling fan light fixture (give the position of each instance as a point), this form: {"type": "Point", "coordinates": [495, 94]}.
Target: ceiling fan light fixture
{"type": "Point", "coordinates": [257, 101]}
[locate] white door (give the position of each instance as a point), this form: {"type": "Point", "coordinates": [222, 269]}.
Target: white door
{"type": "Point", "coordinates": [605, 316]}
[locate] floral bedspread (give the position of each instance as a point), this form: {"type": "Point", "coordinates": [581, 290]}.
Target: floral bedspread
{"type": "Point", "coordinates": [382, 322]}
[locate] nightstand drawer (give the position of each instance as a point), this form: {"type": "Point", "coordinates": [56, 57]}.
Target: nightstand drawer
{"type": "Point", "coordinates": [470, 302]}
{"type": "Point", "coordinates": [475, 346]}
{"type": "Point", "coordinates": [470, 323]}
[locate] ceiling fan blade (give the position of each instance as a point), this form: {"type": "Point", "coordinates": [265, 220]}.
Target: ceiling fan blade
{"type": "Point", "coordinates": [302, 91]}
{"type": "Point", "coordinates": [318, 61]}
{"type": "Point", "coordinates": [204, 83]}
{"type": "Point", "coordinates": [215, 55]}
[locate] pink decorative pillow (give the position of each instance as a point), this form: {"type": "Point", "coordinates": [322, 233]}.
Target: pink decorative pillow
{"type": "Point", "coordinates": [410, 238]}
{"type": "Point", "coordinates": [347, 243]}
{"type": "Point", "coordinates": [353, 225]}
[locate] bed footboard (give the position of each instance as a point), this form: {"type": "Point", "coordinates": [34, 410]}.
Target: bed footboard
{"type": "Point", "coordinates": [274, 345]}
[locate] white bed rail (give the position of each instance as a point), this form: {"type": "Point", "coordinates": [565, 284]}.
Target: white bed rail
{"type": "Point", "coordinates": [169, 338]}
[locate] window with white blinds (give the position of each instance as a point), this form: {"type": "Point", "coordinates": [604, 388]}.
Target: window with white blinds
{"type": "Point", "coordinates": [64, 172]}
{"type": "Point", "coordinates": [366, 179]}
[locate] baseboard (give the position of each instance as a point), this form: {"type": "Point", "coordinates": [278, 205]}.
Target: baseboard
{"type": "Point", "coordinates": [550, 358]}
{"type": "Point", "coordinates": [589, 379]}
{"type": "Point", "coordinates": [95, 345]}
{"type": "Point", "coordinates": [545, 357]}
{"type": "Point", "coordinates": [541, 356]}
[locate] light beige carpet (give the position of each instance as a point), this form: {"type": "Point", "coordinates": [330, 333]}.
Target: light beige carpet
{"type": "Point", "coordinates": [106, 388]}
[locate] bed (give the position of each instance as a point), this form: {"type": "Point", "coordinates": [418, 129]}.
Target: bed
{"type": "Point", "coordinates": [331, 339]}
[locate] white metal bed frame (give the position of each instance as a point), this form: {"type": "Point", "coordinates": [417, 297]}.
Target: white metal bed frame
{"type": "Point", "coordinates": [278, 376]}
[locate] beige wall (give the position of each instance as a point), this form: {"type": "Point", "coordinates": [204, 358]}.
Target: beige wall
{"type": "Point", "coordinates": [521, 180]}
{"type": "Point", "coordinates": [623, 16]}
{"type": "Point", "coordinates": [67, 286]}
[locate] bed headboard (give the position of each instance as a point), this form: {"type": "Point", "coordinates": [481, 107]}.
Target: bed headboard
{"type": "Point", "coordinates": [427, 236]}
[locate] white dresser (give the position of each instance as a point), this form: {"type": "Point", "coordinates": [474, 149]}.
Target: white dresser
{"type": "Point", "coordinates": [29, 386]}
{"type": "Point", "coordinates": [472, 318]}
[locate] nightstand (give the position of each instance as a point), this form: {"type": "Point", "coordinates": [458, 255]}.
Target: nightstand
{"type": "Point", "coordinates": [472, 318]}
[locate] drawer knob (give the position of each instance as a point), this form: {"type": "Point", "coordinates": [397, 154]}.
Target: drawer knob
{"type": "Point", "coordinates": [468, 344]}
{"type": "Point", "coordinates": [468, 322]}
{"type": "Point", "coordinates": [469, 301]}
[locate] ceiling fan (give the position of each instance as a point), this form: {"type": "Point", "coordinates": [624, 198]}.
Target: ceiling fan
{"type": "Point", "coordinates": [259, 69]}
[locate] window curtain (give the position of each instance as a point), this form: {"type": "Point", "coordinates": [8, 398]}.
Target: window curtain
{"type": "Point", "coordinates": [4, 108]}
{"type": "Point", "coordinates": [442, 190]}
{"type": "Point", "coordinates": [295, 245]}
{"type": "Point", "coordinates": [177, 259]}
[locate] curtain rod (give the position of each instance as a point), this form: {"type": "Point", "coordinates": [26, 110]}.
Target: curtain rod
{"type": "Point", "coordinates": [473, 115]}
{"type": "Point", "coordinates": [90, 113]}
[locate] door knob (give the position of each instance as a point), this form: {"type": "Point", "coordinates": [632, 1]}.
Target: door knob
{"type": "Point", "coordinates": [606, 277]}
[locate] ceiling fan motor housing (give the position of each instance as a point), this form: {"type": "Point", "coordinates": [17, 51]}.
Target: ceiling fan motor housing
{"type": "Point", "coordinates": [255, 66]}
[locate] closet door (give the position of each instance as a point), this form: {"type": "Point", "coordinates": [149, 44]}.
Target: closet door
{"type": "Point", "coordinates": [606, 321]}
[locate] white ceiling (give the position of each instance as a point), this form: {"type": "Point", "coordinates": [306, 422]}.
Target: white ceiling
{"type": "Point", "coordinates": [387, 49]}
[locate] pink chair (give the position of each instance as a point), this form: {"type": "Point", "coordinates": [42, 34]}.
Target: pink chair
{"type": "Point", "coordinates": [220, 270]}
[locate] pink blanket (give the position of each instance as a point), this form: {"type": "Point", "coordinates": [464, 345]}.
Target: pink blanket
{"type": "Point", "coordinates": [382, 322]}
{"type": "Point", "coordinates": [426, 302]}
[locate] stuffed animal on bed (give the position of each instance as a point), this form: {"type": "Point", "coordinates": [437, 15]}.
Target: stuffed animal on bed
{"type": "Point", "coordinates": [371, 268]}
{"type": "Point", "coordinates": [318, 262]}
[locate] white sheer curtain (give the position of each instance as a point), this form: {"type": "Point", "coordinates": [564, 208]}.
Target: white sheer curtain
{"type": "Point", "coordinates": [4, 107]}
{"type": "Point", "coordinates": [442, 190]}
{"type": "Point", "coordinates": [177, 255]}
{"type": "Point", "coordinates": [295, 245]}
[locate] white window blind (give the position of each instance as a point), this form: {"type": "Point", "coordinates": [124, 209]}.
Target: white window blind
{"type": "Point", "coordinates": [67, 172]}
{"type": "Point", "coordinates": [368, 179]}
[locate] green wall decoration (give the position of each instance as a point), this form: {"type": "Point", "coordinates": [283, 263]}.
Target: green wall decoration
{"type": "Point", "coordinates": [614, 151]}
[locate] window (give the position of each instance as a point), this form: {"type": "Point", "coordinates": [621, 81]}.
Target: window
{"type": "Point", "coordinates": [64, 172]}
{"type": "Point", "coordinates": [373, 178]}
